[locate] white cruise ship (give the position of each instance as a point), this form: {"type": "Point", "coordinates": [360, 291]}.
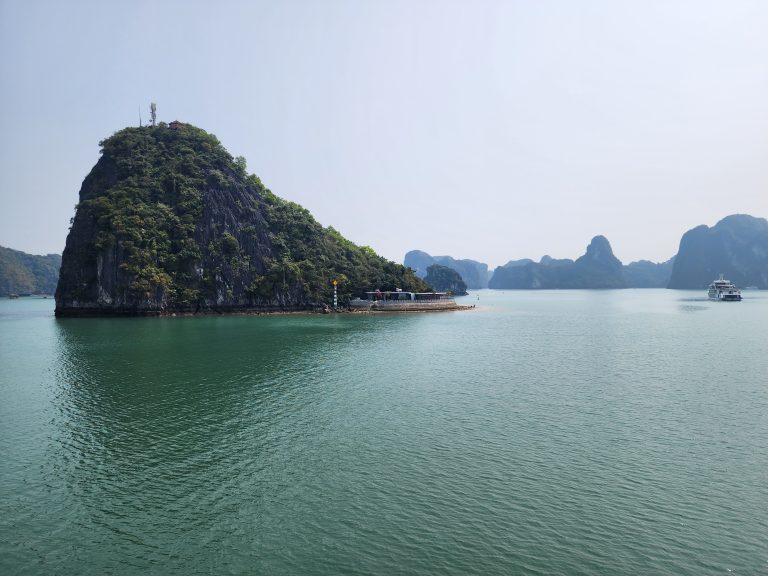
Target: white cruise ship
{"type": "Point", "coordinates": [724, 290]}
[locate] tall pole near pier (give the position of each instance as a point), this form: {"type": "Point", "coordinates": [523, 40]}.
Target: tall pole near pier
{"type": "Point", "coordinates": [335, 296]}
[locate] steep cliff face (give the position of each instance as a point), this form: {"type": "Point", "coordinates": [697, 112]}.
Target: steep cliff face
{"type": "Point", "coordinates": [168, 221]}
{"type": "Point", "coordinates": [736, 246]}
{"type": "Point", "coordinates": [597, 268]}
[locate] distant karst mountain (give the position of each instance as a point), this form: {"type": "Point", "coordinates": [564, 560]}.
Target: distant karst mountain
{"type": "Point", "coordinates": [22, 273]}
{"type": "Point", "coordinates": [168, 222]}
{"type": "Point", "coordinates": [646, 274]}
{"type": "Point", "coordinates": [736, 246]}
{"type": "Point", "coordinates": [444, 279]}
{"type": "Point", "coordinates": [474, 273]}
{"type": "Point", "coordinates": [597, 268]}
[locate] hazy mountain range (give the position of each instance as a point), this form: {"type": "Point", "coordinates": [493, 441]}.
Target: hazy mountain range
{"type": "Point", "coordinates": [475, 274]}
{"type": "Point", "coordinates": [737, 246]}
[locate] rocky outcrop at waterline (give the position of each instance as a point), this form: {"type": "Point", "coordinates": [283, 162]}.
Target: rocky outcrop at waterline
{"type": "Point", "coordinates": [169, 222]}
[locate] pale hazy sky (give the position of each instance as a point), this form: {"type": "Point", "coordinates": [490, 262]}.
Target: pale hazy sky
{"type": "Point", "coordinates": [480, 129]}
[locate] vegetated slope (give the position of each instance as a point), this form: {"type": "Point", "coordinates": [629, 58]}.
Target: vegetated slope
{"type": "Point", "coordinates": [445, 279]}
{"type": "Point", "coordinates": [737, 246]}
{"type": "Point", "coordinates": [168, 221]}
{"type": "Point", "coordinates": [22, 273]}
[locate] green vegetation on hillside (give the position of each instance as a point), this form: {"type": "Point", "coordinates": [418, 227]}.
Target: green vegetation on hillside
{"type": "Point", "coordinates": [316, 256]}
{"type": "Point", "coordinates": [445, 279]}
{"type": "Point", "coordinates": [147, 200]}
{"type": "Point", "coordinates": [22, 273]}
{"type": "Point", "coordinates": [168, 219]}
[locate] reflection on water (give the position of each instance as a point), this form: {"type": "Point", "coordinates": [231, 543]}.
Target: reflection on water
{"type": "Point", "coordinates": [171, 417]}
{"type": "Point", "coordinates": [691, 308]}
{"type": "Point", "coordinates": [547, 432]}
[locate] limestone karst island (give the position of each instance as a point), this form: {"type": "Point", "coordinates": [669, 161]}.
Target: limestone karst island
{"type": "Point", "coordinates": [169, 222]}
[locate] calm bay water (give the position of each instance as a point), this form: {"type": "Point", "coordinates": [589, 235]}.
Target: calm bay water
{"type": "Point", "coordinates": [571, 432]}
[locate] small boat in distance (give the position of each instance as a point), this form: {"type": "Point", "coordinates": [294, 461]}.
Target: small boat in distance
{"type": "Point", "coordinates": [724, 291]}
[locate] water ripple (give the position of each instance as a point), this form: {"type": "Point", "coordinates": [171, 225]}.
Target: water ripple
{"type": "Point", "coordinates": [549, 433]}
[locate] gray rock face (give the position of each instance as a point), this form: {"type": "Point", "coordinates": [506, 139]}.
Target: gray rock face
{"type": "Point", "coordinates": [521, 262]}
{"type": "Point", "coordinates": [737, 246]}
{"type": "Point", "coordinates": [418, 261]}
{"type": "Point", "coordinates": [549, 261]}
{"type": "Point", "coordinates": [474, 273]}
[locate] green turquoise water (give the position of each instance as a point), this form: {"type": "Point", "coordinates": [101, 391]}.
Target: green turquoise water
{"type": "Point", "coordinates": [571, 432]}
